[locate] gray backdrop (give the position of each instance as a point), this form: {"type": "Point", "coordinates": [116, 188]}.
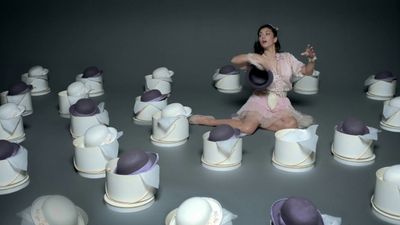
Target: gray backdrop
{"type": "Point", "coordinates": [129, 39]}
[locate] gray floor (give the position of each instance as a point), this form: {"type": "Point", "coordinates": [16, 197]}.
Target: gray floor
{"type": "Point", "coordinates": [128, 40]}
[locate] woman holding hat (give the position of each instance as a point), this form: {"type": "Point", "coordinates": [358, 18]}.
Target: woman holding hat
{"type": "Point", "coordinates": [268, 107]}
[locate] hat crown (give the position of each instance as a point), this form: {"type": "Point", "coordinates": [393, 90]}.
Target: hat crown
{"type": "Point", "coordinates": [161, 72]}
{"type": "Point", "coordinates": [383, 75]}
{"type": "Point", "coordinates": [85, 106]}
{"type": "Point", "coordinates": [300, 211]}
{"type": "Point", "coordinates": [59, 210]}
{"type": "Point", "coordinates": [91, 71]}
{"type": "Point", "coordinates": [76, 89]}
{"type": "Point", "coordinates": [392, 174]}
{"type": "Point", "coordinates": [354, 126]}
{"type": "Point", "coordinates": [150, 95]}
{"type": "Point", "coordinates": [36, 71]}
{"type": "Point", "coordinates": [221, 133]}
{"type": "Point", "coordinates": [260, 79]}
{"type": "Point", "coordinates": [172, 110]}
{"type": "Point", "coordinates": [131, 161]}
{"type": "Point", "coordinates": [228, 69]}
{"type": "Point", "coordinates": [18, 88]}
{"type": "Point", "coordinates": [96, 135]}
{"type": "Point", "coordinates": [194, 211]}
{"type": "Point", "coordinates": [8, 110]}
{"type": "Point", "coordinates": [7, 149]}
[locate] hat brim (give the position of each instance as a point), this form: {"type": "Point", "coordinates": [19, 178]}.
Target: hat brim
{"type": "Point", "coordinates": [259, 79]}
{"type": "Point", "coordinates": [37, 215]}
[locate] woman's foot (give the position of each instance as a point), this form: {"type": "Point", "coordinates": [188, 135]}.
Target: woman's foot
{"type": "Point", "coordinates": [200, 119]}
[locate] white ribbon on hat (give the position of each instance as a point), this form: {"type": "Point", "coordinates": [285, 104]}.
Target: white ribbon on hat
{"type": "Point", "coordinates": [226, 146]}
{"type": "Point", "coordinates": [19, 161]}
{"type": "Point", "coordinates": [109, 150]}
{"type": "Point", "coordinates": [17, 99]}
{"type": "Point", "coordinates": [92, 83]}
{"type": "Point", "coordinates": [9, 125]}
{"type": "Point", "coordinates": [140, 106]}
{"type": "Point", "coordinates": [331, 220]}
{"type": "Point", "coordinates": [310, 145]}
{"type": "Point", "coordinates": [102, 117]}
{"type": "Point", "coordinates": [26, 216]}
{"type": "Point", "coordinates": [372, 135]}
{"type": "Point", "coordinates": [389, 110]}
{"type": "Point", "coordinates": [37, 82]}
{"type": "Point", "coordinates": [370, 80]}
{"type": "Point", "coordinates": [167, 122]}
{"type": "Point", "coordinates": [152, 177]}
{"type": "Point", "coordinates": [227, 217]}
{"type": "Point", "coordinates": [73, 99]}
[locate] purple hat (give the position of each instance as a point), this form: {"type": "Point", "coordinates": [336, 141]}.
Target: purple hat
{"type": "Point", "coordinates": [19, 88]}
{"type": "Point", "coordinates": [352, 126]}
{"type": "Point", "coordinates": [92, 71]}
{"type": "Point", "coordinates": [228, 70]}
{"type": "Point", "coordinates": [152, 96]}
{"type": "Point", "coordinates": [260, 79]}
{"type": "Point", "coordinates": [84, 107]}
{"type": "Point", "coordinates": [295, 211]}
{"type": "Point", "coordinates": [134, 162]}
{"type": "Point", "coordinates": [385, 76]}
{"type": "Point", "coordinates": [7, 149]}
{"type": "Point", "coordinates": [223, 132]}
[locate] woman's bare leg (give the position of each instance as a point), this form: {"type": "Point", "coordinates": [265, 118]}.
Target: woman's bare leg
{"type": "Point", "coordinates": [283, 123]}
{"type": "Point", "coordinates": [246, 125]}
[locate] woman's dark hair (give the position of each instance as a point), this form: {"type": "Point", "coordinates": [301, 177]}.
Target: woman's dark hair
{"type": "Point", "coordinates": [257, 46]}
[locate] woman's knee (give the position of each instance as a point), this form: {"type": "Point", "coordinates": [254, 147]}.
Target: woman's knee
{"type": "Point", "coordinates": [248, 128]}
{"type": "Point", "coordinates": [290, 122]}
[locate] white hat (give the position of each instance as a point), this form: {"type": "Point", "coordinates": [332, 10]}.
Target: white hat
{"type": "Point", "coordinates": [99, 135]}
{"type": "Point", "coordinates": [198, 211]}
{"type": "Point", "coordinates": [77, 88]}
{"type": "Point", "coordinates": [57, 210]}
{"type": "Point", "coordinates": [392, 174]}
{"type": "Point", "coordinates": [37, 71]}
{"type": "Point", "coordinates": [163, 73]}
{"type": "Point", "coordinates": [176, 109]}
{"type": "Point", "coordinates": [10, 110]}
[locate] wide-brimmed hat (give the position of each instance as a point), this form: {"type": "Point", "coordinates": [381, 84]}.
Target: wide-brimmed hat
{"type": "Point", "coordinates": [57, 210]}
{"type": "Point", "coordinates": [223, 132]}
{"type": "Point", "coordinates": [176, 109]}
{"type": "Point", "coordinates": [295, 211]}
{"type": "Point", "coordinates": [259, 79]}
{"type": "Point", "coordinates": [91, 71]}
{"type": "Point", "coordinates": [19, 88]}
{"type": "Point", "coordinates": [7, 149]}
{"type": "Point", "coordinates": [152, 96]}
{"type": "Point", "coordinates": [198, 211]}
{"type": "Point", "coordinates": [135, 161]}
{"type": "Point", "coordinates": [36, 71]}
{"type": "Point", "coordinates": [98, 135]}
{"type": "Point", "coordinates": [11, 110]}
{"type": "Point", "coordinates": [228, 70]}
{"type": "Point", "coordinates": [352, 126]}
{"type": "Point", "coordinates": [84, 107]}
{"type": "Point", "coordinates": [77, 88]}
{"type": "Point", "coordinates": [385, 76]}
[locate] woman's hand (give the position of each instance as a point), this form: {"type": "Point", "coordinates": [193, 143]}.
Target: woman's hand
{"type": "Point", "coordinates": [310, 53]}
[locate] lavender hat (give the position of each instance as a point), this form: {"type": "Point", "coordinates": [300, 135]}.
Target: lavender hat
{"type": "Point", "coordinates": [352, 126]}
{"type": "Point", "coordinates": [19, 88]}
{"type": "Point", "coordinates": [228, 70]}
{"type": "Point", "coordinates": [385, 76]}
{"type": "Point", "coordinates": [92, 71]}
{"type": "Point", "coordinates": [260, 79]}
{"type": "Point", "coordinates": [223, 132]}
{"type": "Point", "coordinates": [135, 161]}
{"type": "Point", "coordinates": [7, 149]}
{"type": "Point", "coordinates": [295, 211]}
{"type": "Point", "coordinates": [152, 96]}
{"type": "Point", "coordinates": [84, 107]}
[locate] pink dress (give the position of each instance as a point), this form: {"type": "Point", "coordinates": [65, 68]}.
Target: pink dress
{"type": "Point", "coordinates": [257, 105]}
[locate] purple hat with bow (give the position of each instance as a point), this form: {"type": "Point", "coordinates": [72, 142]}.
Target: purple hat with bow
{"type": "Point", "coordinates": [352, 126]}
{"type": "Point", "coordinates": [19, 88]}
{"type": "Point", "coordinates": [223, 132]}
{"type": "Point", "coordinates": [228, 70]}
{"type": "Point", "coordinates": [7, 149]}
{"type": "Point", "coordinates": [84, 107]}
{"type": "Point", "coordinates": [92, 71]}
{"type": "Point", "coordinates": [259, 79]}
{"type": "Point", "coordinates": [135, 162]}
{"type": "Point", "coordinates": [385, 76]}
{"type": "Point", "coordinates": [152, 96]}
{"type": "Point", "coordinates": [295, 211]}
